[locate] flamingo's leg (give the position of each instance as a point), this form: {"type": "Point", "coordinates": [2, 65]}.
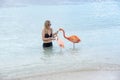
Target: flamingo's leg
{"type": "Point", "coordinates": [73, 45]}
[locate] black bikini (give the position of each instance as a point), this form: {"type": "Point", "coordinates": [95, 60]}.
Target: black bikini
{"type": "Point", "coordinates": [50, 43]}
{"type": "Point", "coordinates": [47, 35]}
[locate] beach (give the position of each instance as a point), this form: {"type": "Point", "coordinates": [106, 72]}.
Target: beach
{"type": "Point", "coordinates": [105, 72]}
{"type": "Point", "coordinates": [79, 75]}
{"type": "Point", "coordinates": [96, 57]}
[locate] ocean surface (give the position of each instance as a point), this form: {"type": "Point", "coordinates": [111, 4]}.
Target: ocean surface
{"type": "Point", "coordinates": [96, 23]}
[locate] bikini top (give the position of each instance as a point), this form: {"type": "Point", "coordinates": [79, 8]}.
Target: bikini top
{"type": "Point", "coordinates": [47, 35]}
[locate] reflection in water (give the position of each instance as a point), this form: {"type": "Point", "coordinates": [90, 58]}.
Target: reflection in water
{"type": "Point", "coordinates": [48, 51]}
{"type": "Point", "coordinates": [52, 51]}
{"type": "Point", "coordinates": [74, 50]}
{"type": "Point", "coordinates": [52, 54]}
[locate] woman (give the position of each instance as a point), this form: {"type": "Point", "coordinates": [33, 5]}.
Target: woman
{"type": "Point", "coordinates": [47, 35]}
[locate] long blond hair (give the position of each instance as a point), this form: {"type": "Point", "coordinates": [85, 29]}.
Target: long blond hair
{"type": "Point", "coordinates": [46, 24]}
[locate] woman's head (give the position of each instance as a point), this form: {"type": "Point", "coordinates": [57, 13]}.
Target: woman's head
{"type": "Point", "coordinates": [47, 24]}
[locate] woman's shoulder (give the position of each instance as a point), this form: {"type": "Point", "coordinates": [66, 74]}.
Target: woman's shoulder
{"type": "Point", "coordinates": [43, 30]}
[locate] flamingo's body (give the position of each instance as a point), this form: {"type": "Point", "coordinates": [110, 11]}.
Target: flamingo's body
{"type": "Point", "coordinates": [74, 39]}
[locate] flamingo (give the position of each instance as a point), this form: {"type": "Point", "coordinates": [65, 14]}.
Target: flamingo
{"type": "Point", "coordinates": [74, 39]}
{"type": "Point", "coordinates": [60, 42]}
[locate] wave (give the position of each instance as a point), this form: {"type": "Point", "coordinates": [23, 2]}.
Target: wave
{"type": "Point", "coordinates": [33, 72]}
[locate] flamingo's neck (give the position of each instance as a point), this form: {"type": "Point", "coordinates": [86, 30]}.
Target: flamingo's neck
{"type": "Point", "coordinates": [64, 34]}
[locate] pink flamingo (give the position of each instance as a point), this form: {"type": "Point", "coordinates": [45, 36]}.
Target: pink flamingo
{"type": "Point", "coordinates": [74, 39]}
{"type": "Point", "coordinates": [60, 42]}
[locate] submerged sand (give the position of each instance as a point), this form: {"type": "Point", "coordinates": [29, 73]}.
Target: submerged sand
{"type": "Point", "coordinates": [75, 75]}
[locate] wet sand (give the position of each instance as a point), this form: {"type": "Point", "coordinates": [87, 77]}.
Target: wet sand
{"type": "Point", "coordinates": [75, 75]}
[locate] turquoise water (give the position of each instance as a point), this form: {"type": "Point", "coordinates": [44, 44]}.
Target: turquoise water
{"type": "Point", "coordinates": [96, 23]}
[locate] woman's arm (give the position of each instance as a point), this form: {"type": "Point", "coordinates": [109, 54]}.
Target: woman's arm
{"type": "Point", "coordinates": [54, 34]}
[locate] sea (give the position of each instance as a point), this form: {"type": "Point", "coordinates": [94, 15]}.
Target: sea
{"type": "Point", "coordinates": [96, 23]}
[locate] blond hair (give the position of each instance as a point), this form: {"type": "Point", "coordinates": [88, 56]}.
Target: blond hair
{"type": "Point", "coordinates": [46, 24]}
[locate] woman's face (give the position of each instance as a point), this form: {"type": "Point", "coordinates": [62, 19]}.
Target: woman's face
{"type": "Point", "coordinates": [48, 25]}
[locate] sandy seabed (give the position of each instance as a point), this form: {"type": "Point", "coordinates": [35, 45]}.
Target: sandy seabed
{"type": "Point", "coordinates": [76, 75]}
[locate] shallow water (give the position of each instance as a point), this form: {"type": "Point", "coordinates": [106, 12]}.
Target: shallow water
{"type": "Point", "coordinates": [96, 23]}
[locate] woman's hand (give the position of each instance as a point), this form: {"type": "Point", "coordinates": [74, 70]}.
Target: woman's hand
{"type": "Point", "coordinates": [55, 34]}
{"type": "Point", "coordinates": [51, 38]}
